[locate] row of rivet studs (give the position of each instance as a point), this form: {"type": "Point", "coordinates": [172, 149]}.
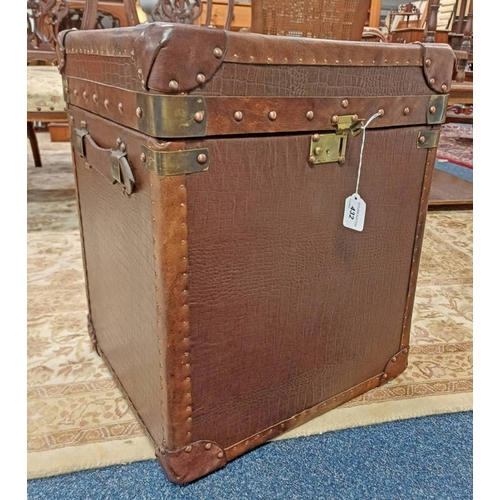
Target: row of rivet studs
{"type": "Point", "coordinates": [272, 115]}
{"type": "Point", "coordinates": [208, 446]}
{"type": "Point", "coordinates": [270, 60]}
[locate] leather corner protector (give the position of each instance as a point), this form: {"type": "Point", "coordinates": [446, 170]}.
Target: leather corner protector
{"type": "Point", "coordinates": [395, 366]}
{"type": "Point", "coordinates": [191, 462]}
{"type": "Point", "coordinates": [438, 63]}
{"type": "Point", "coordinates": [198, 66]}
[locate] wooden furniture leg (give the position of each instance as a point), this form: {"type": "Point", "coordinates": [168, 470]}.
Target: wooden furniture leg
{"type": "Point", "coordinates": [34, 144]}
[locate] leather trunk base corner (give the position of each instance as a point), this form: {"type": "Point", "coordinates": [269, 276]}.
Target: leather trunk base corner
{"type": "Point", "coordinates": [225, 292]}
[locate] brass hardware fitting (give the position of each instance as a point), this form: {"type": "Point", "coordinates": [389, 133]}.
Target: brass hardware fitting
{"type": "Point", "coordinates": [428, 139]}
{"type": "Point", "coordinates": [165, 163]}
{"type": "Point", "coordinates": [330, 148]}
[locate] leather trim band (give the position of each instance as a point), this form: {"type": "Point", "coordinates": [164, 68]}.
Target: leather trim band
{"type": "Point", "coordinates": [215, 116]}
{"type": "Point", "coordinates": [299, 419]}
{"type": "Point", "coordinates": [417, 248]}
{"type": "Point", "coordinates": [168, 195]}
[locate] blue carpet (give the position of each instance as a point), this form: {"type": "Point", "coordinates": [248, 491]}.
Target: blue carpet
{"type": "Point", "coordinates": [424, 458]}
{"type": "Point", "coordinates": [454, 169]}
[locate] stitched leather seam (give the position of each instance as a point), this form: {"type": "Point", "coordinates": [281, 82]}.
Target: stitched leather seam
{"type": "Point", "coordinates": [80, 228]}
{"type": "Point", "coordinates": [158, 321]}
{"type": "Point", "coordinates": [302, 417]}
{"type": "Point", "coordinates": [419, 233]}
{"type": "Point", "coordinates": [172, 308]}
{"type": "Point", "coordinates": [185, 360]}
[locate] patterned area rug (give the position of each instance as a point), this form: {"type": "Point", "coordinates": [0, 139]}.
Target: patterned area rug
{"type": "Point", "coordinates": [78, 419]}
{"type": "Point", "coordinates": [455, 144]}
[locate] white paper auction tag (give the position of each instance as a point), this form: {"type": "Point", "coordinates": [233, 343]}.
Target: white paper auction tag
{"type": "Point", "coordinates": [354, 212]}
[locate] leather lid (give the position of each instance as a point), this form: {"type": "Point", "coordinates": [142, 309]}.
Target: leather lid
{"type": "Point", "coordinates": [175, 58]}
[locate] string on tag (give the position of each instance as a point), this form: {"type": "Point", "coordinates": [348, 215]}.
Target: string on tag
{"type": "Point", "coordinates": [355, 206]}
{"type": "Point", "coordinates": [378, 113]}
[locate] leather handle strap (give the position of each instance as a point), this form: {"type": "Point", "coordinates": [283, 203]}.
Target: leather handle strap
{"type": "Point", "coordinates": [97, 158]}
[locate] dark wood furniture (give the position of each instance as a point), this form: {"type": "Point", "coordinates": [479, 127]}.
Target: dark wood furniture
{"type": "Point", "coordinates": [45, 19]}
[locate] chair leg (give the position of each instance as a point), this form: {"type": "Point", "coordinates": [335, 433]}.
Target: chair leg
{"type": "Point", "coordinates": [34, 144]}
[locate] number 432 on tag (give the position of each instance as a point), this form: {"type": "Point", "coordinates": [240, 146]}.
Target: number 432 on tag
{"type": "Point", "coordinates": [354, 212]}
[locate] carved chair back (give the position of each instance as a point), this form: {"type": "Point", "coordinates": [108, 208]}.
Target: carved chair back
{"type": "Point", "coordinates": [334, 20]}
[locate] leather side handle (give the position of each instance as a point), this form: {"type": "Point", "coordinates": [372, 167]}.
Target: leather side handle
{"type": "Point", "coordinates": [112, 164]}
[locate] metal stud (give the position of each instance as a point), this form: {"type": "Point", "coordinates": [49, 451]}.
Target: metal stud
{"type": "Point", "coordinates": [444, 87]}
{"type": "Point", "coordinates": [173, 85]}
{"type": "Point", "coordinates": [433, 81]}
{"type": "Point", "coordinates": [106, 103]}
{"type": "Point", "coordinates": [85, 95]}
{"type": "Point", "coordinates": [217, 52]}
{"type": "Point", "coordinates": [208, 446]}
{"type": "Point", "coordinates": [238, 116]}
{"type": "Point", "coordinates": [220, 454]}
{"type": "Point", "coordinates": [341, 159]}
{"type": "Point", "coordinates": [381, 111]}
{"type": "Point", "coordinates": [272, 115]}
{"type": "Point", "coordinates": [318, 150]}
{"type": "Point", "coordinates": [94, 98]}
{"type": "Point", "coordinates": [139, 71]}
{"type": "Point", "coordinates": [201, 158]}
{"type": "Point", "coordinates": [123, 147]}
{"type": "Point", "coordinates": [428, 62]}
{"type": "Point", "coordinates": [75, 93]}
{"type": "Point", "coordinates": [432, 110]}
{"type": "Point", "coordinates": [406, 111]}
{"type": "Point", "coordinates": [312, 160]}
{"type": "Point", "coordinates": [83, 124]}
{"type": "Point", "coordinates": [355, 117]}
{"type": "Point", "coordinates": [335, 119]}
{"type": "Point", "coordinates": [188, 449]}
{"type": "Point", "coordinates": [201, 78]}
{"type": "Point", "coordinates": [394, 359]}
{"type": "Point", "coordinates": [143, 157]}
{"type": "Point", "coordinates": [138, 112]}
{"type": "Point", "coordinates": [118, 141]}
{"type": "Point", "coordinates": [315, 137]}
{"type": "Point", "coordinates": [198, 116]}
{"type": "Point", "coordinates": [120, 107]}
{"type": "Point", "coordinates": [421, 139]}
{"type": "Point", "coordinates": [385, 376]}
{"type": "Point", "coordinates": [310, 115]}
{"type": "Point", "coordinates": [345, 103]}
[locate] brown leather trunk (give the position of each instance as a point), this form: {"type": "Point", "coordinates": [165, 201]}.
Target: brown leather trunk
{"type": "Point", "coordinates": [212, 169]}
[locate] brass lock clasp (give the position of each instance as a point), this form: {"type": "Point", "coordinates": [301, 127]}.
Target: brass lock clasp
{"type": "Point", "coordinates": [331, 148]}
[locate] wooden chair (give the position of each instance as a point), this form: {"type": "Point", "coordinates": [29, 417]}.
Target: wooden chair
{"type": "Point", "coordinates": [334, 20]}
{"type": "Point", "coordinates": [46, 18]}
{"type": "Point", "coordinates": [45, 100]}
